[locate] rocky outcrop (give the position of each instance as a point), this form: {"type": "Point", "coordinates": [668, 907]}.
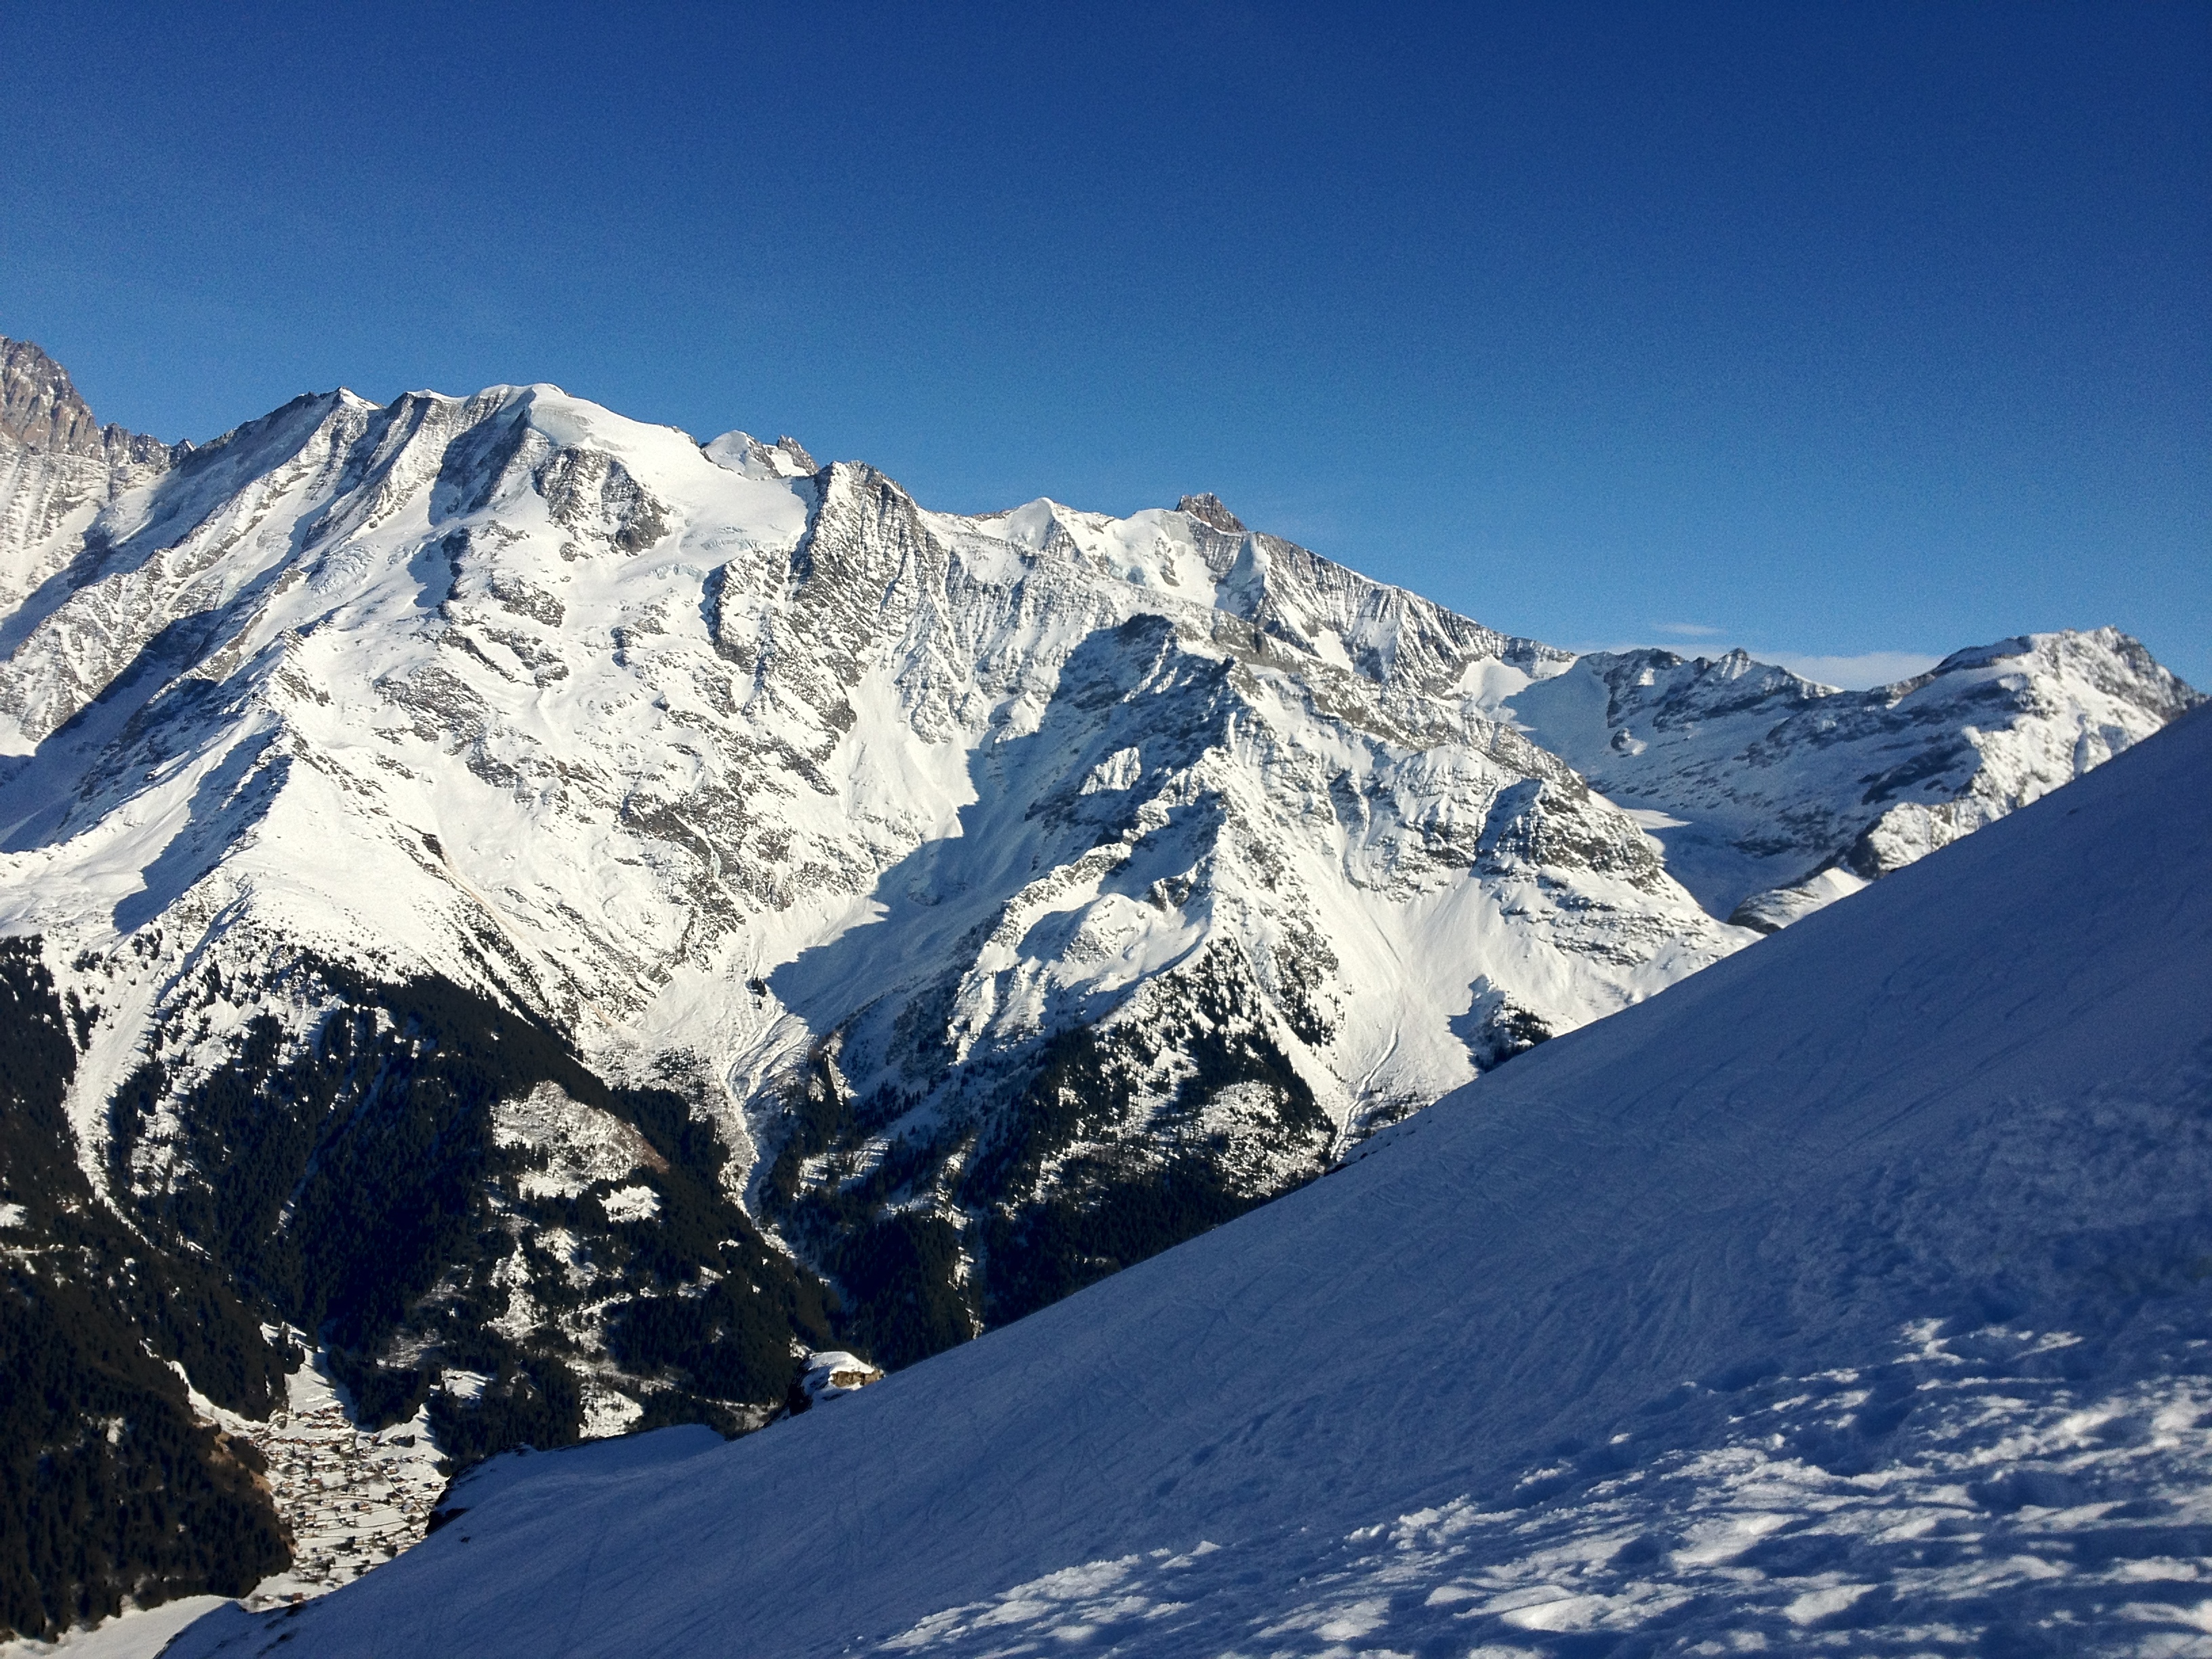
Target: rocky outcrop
{"type": "Point", "coordinates": [58, 467]}
{"type": "Point", "coordinates": [41, 411]}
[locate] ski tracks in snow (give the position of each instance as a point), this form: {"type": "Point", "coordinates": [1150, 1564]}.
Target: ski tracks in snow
{"type": "Point", "coordinates": [1964, 1496]}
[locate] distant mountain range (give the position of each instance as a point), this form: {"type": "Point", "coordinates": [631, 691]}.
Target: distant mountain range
{"type": "Point", "coordinates": [567, 919]}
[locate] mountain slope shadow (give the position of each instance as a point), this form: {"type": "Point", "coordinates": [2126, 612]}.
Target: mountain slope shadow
{"type": "Point", "coordinates": [234, 794]}
{"type": "Point", "coordinates": [962, 1070]}
{"type": "Point", "coordinates": [113, 747]}
{"type": "Point", "coordinates": [177, 506]}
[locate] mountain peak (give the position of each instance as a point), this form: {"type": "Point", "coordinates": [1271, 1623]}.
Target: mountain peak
{"type": "Point", "coordinates": [41, 409]}
{"type": "Point", "coordinates": [40, 405]}
{"type": "Point", "coordinates": [1208, 508]}
{"type": "Point", "coordinates": [740, 452]}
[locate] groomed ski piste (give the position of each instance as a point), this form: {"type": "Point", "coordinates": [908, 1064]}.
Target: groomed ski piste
{"type": "Point", "coordinates": [1855, 1294]}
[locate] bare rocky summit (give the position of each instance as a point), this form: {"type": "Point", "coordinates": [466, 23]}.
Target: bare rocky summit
{"type": "Point", "coordinates": [40, 409]}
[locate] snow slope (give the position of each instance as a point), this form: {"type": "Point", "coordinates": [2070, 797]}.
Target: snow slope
{"type": "Point", "coordinates": [1854, 1290]}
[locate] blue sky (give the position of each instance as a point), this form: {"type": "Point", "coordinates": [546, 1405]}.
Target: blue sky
{"type": "Point", "coordinates": [1822, 330]}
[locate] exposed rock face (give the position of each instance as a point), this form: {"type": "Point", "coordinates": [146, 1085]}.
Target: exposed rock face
{"type": "Point", "coordinates": [40, 409]}
{"type": "Point", "coordinates": [57, 468]}
{"type": "Point", "coordinates": [965, 906]}
{"type": "Point", "coordinates": [1209, 509]}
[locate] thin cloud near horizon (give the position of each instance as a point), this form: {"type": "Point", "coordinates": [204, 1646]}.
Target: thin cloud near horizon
{"type": "Point", "coordinates": [1859, 673]}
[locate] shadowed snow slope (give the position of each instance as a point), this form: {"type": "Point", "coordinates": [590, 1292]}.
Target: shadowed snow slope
{"type": "Point", "coordinates": [1858, 1283]}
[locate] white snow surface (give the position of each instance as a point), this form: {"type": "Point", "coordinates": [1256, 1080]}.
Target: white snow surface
{"type": "Point", "coordinates": [137, 1633]}
{"type": "Point", "coordinates": [572, 709]}
{"type": "Point", "coordinates": [1851, 1294]}
{"type": "Point", "coordinates": [578, 1145]}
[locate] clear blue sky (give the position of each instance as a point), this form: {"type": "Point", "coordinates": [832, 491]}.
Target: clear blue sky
{"type": "Point", "coordinates": [1827, 329]}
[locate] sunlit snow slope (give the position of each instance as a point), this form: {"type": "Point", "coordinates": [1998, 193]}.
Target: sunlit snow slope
{"type": "Point", "coordinates": [1858, 1286]}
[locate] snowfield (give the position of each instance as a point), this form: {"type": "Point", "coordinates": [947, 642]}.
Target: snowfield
{"type": "Point", "coordinates": [1854, 1295]}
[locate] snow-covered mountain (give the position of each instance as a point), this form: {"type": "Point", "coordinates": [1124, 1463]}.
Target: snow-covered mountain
{"type": "Point", "coordinates": [1046, 856]}
{"type": "Point", "coordinates": [58, 468]}
{"type": "Point", "coordinates": [1851, 1294]}
{"type": "Point", "coordinates": [1775, 796]}
{"type": "Point", "coordinates": [530, 896]}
